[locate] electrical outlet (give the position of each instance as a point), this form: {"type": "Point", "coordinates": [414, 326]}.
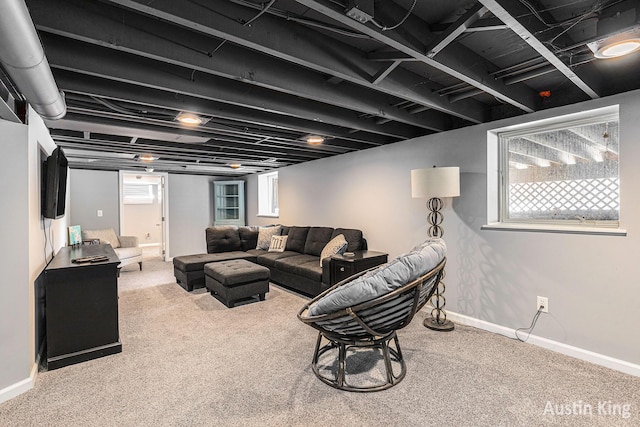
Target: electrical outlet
{"type": "Point", "coordinates": [543, 304]}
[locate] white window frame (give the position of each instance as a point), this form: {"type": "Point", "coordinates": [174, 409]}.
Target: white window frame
{"type": "Point", "coordinates": [137, 194]}
{"type": "Point", "coordinates": [496, 181]}
{"type": "Point", "coordinates": [268, 195]}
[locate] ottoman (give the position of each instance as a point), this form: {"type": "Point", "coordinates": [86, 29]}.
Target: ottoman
{"type": "Point", "coordinates": [189, 269]}
{"type": "Point", "coordinates": [233, 280]}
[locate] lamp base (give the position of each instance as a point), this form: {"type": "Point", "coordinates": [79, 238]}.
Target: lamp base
{"type": "Point", "coordinates": [433, 324]}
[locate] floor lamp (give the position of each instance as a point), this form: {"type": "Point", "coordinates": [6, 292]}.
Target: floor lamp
{"type": "Point", "coordinates": [436, 183]}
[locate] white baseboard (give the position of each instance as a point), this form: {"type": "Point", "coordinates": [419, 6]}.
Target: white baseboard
{"type": "Point", "coordinates": [578, 353]}
{"type": "Point", "coordinates": [16, 389]}
{"type": "Point", "coordinates": [24, 385]}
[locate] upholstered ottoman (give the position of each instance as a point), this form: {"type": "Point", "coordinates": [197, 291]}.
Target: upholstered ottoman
{"type": "Point", "coordinates": [237, 279]}
{"type": "Point", "coordinates": [189, 269]}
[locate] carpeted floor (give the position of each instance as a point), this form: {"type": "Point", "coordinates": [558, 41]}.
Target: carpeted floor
{"type": "Point", "coordinates": [188, 360]}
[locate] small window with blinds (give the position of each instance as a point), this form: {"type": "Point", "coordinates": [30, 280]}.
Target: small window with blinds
{"type": "Point", "coordinates": [137, 194]}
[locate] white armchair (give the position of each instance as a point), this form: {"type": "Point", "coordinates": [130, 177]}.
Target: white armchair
{"type": "Point", "coordinates": [125, 247]}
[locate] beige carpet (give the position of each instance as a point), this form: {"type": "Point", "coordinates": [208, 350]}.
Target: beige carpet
{"type": "Point", "coordinates": [187, 360]}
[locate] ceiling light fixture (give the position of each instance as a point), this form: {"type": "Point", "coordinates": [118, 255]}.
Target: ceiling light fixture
{"type": "Point", "coordinates": [148, 169]}
{"type": "Point", "coordinates": [189, 119]}
{"type": "Point", "coordinates": [315, 139]}
{"type": "Point", "coordinates": [235, 165]}
{"type": "Point", "coordinates": [617, 45]}
{"type": "Point", "coordinates": [147, 158]}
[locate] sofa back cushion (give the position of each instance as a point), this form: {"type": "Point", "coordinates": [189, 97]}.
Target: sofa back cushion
{"type": "Point", "coordinates": [296, 238]}
{"type": "Point", "coordinates": [248, 237]}
{"type": "Point", "coordinates": [223, 238]}
{"type": "Point", "coordinates": [317, 239]}
{"type": "Point", "coordinates": [353, 237]}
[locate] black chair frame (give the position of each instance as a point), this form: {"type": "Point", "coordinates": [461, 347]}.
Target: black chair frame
{"type": "Point", "coordinates": [371, 325]}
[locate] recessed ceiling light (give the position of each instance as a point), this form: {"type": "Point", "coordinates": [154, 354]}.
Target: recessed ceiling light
{"type": "Point", "coordinates": [615, 50]}
{"type": "Point", "coordinates": [147, 158]}
{"type": "Point", "coordinates": [616, 45]}
{"type": "Point", "coordinates": [315, 139]}
{"type": "Point", "coordinates": [148, 169]}
{"type": "Point", "coordinates": [235, 165]}
{"type": "Point", "coordinates": [189, 119]}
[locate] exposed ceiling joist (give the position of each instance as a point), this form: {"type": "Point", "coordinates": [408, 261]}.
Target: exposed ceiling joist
{"type": "Point", "coordinates": [454, 30]}
{"type": "Point", "coordinates": [508, 12]}
{"type": "Point", "coordinates": [124, 67]}
{"type": "Point", "coordinates": [101, 25]}
{"type": "Point", "coordinates": [458, 62]}
{"type": "Point", "coordinates": [302, 46]}
{"type": "Point", "coordinates": [118, 91]}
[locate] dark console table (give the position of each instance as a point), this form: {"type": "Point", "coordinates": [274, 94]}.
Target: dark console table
{"type": "Point", "coordinates": [343, 266]}
{"type": "Point", "coordinates": [81, 306]}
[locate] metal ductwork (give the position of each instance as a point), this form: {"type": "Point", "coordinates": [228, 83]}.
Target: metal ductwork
{"type": "Point", "coordinates": [23, 59]}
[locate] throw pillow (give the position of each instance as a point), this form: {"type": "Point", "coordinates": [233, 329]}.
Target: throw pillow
{"type": "Point", "coordinates": [264, 236]}
{"type": "Point", "coordinates": [278, 243]}
{"type": "Point", "coordinates": [337, 245]}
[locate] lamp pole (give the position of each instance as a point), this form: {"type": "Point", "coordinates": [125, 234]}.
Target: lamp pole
{"type": "Point", "coordinates": [435, 183]}
{"type": "Point", "coordinates": [438, 320]}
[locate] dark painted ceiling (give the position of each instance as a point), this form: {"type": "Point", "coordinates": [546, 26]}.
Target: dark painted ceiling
{"type": "Point", "coordinates": [266, 74]}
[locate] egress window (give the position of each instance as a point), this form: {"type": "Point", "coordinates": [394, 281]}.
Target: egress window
{"type": "Point", "coordinates": [562, 172]}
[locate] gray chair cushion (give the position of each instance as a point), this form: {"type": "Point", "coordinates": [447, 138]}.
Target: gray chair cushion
{"type": "Point", "coordinates": [223, 239]}
{"type": "Point", "coordinates": [296, 238]}
{"type": "Point", "coordinates": [317, 239]}
{"type": "Point", "coordinates": [353, 237]}
{"type": "Point", "coordinates": [124, 253]}
{"type": "Point", "coordinates": [384, 279]}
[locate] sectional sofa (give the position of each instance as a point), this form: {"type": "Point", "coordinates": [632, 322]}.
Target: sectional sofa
{"type": "Point", "coordinates": [297, 267]}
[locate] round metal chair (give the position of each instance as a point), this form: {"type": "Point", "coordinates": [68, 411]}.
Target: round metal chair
{"type": "Point", "coordinates": [370, 325]}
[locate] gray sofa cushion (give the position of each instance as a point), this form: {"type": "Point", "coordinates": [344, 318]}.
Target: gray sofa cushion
{"type": "Point", "coordinates": [353, 236]}
{"type": "Point", "coordinates": [248, 237]}
{"type": "Point", "coordinates": [223, 239]}
{"type": "Point", "coordinates": [302, 265]}
{"type": "Point", "coordinates": [269, 258]}
{"type": "Point", "coordinates": [317, 239]}
{"type": "Point", "coordinates": [384, 279]}
{"type": "Point", "coordinates": [296, 238]}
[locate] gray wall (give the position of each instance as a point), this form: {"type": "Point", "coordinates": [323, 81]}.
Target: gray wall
{"type": "Point", "coordinates": [591, 281]}
{"type": "Point", "coordinates": [14, 256]}
{"type": "Point", "coordinates": [190, 206]}
{"type": "Point", "coordinates": [92, 191]}
{"type": "Point", "coordinates": [190, 212]}
{"type": "Point", "coordinates": [24, 253]}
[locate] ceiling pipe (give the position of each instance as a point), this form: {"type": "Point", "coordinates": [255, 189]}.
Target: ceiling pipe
{"type": "Point", "coordinates": [23, 59]}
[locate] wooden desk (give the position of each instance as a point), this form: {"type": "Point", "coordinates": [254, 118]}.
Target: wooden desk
{"type": "Point", "coordinates": [81, 306]}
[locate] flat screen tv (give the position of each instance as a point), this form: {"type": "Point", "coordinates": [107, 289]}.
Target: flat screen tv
{"type": "Point", "coordinates": [54, 184]}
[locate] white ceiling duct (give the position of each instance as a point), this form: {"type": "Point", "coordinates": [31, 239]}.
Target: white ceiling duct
{"type": "Point", "coordinates": [23, 59]}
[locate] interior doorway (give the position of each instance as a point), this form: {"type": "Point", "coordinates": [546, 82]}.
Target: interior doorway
{"type": "Point", "coordinates": [143, 211]}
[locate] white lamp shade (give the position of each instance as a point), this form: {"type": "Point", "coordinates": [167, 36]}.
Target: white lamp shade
{"type": "Point", "coordinates": [435, 182]}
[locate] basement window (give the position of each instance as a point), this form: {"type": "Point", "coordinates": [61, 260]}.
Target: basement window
{"type": "Point", "coordinates": [137, 194]}
{"type": "Point", "coordinates": [560, 174]}
{"type": "Point", "coordinates": [268, 194]}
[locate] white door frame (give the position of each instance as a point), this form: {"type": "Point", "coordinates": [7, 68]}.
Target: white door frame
{"type": "Point", "coordinates": [165, 205]}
